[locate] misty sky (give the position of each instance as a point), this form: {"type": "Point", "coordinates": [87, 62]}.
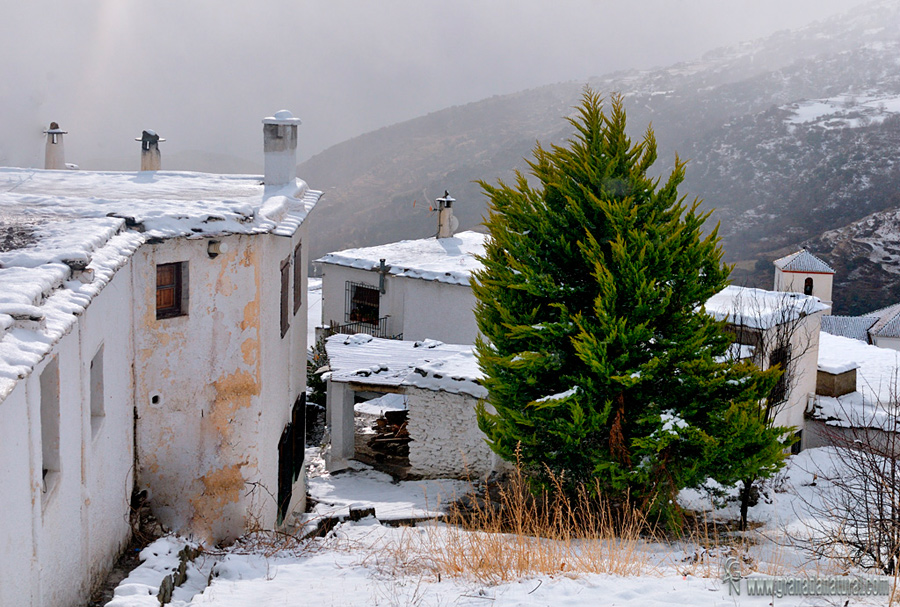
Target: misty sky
{"type": "Point", "coordinates": [203, 73]}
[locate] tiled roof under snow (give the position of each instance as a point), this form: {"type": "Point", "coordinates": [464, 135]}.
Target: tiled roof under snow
{"type": "Point", "coordinates": [64, 234]}
{"type": "Point", "coordinates": [854, 327]}
{"type": "Point", "coordinates": [389, 362]}
{"type": "Point", "coordinates": [803, 261]}
{"type": "Point", "coordinates": [449, 260]}
{"type": "Point", "coordinates": [761, 309]}
{"type": "Point", "coordinates": [887, 323]}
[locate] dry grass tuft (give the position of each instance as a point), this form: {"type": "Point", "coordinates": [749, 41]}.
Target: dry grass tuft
{"type": "Point", "coordinates": [518, 534]}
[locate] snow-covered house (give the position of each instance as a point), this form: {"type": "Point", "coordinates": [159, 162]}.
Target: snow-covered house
{"type": "Point", "coordinates": [413, 289]}
{"type": "Point", "coordinates": [439, 388]}
{"type": "Point", "coordinates": [152, 337]}
{"type": "Point", "coordinates": [777, 328]}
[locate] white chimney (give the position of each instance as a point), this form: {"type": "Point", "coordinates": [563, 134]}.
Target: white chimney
{"type": "Point", "coordinates": [55, 155]}
{"type": "Point", "coordinates": [447, 223]}
{"type": "Point", "coordinates": [280, 147]}
{"type": "Point", "coordinates": [150, 158]}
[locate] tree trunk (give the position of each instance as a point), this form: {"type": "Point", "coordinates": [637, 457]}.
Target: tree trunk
{"type": "Point", "coordinates": [746, 487]}
{"type": "Point", "coordinates": [617, 447]}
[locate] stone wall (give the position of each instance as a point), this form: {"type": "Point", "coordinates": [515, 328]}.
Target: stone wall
{"type": "Point", "coordinates": [446, 441]}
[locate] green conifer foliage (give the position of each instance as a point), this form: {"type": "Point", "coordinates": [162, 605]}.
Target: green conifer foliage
{"type": "Point", "coordinates": [599, 360]}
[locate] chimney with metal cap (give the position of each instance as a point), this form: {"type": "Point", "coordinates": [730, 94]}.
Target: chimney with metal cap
{"type": "Point", "coordinates": [447, 223]}
{"type": "Point", "coordinates": [280, 147]}
{"type": "Point", "coordinates": [55, 155]}
{"type": "Point", "coordinates": [150, 159]}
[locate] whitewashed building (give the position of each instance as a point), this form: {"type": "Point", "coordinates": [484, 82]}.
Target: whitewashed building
{"type": "Point", "coordinates": [440, 385]}
{"type": "Point", "coordinates": [777, 328]}
{"type": "Point", "coordinates": [413, 289]}
{"type": "Point", "coordinates": [152, 337]}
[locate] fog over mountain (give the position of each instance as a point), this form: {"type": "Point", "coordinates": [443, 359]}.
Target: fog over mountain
{"type": "Point", "coordinates": [202, 73]}
{"type": "Point", "coordinates": [788, 137]}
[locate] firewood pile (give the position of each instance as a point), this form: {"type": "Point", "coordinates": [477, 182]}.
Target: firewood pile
{"type": "Point", "coordinates": [391, 436]}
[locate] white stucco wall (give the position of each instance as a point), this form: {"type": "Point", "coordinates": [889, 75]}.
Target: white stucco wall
{"type": "Point", "coordinates": [224, 381]}
{"type": "Point", "coordinates": [446, 441]}
{"type": "Point", "coordinates": [804, 368]}
{"type": "Point", "coordinates": [887, 342]}
{"type": "Point", "coordinates": [438, 310]}
{"type": "Point", "coordinates": [17, 549]}
{"type": "Point", "coordinates": [54, 545]}
{"type": "Point", "coordinates": [418, 308]}
{"type": "Point", "coordinates": [334, 288]}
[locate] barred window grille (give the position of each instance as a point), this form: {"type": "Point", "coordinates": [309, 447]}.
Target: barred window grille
{"type": "Point", "coordinates": [361, 303]}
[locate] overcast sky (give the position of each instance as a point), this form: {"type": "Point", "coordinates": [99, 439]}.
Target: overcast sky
{"type": "Point", "coordinates": [203, 73]}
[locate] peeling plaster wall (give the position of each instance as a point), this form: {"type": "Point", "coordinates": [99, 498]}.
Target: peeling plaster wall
{"type": "Point", "coordinates": [446, 441]}
{"type": "Point", "coordinates": [224, 381]}
{"type": "Point", "coordinates": [55, 544]}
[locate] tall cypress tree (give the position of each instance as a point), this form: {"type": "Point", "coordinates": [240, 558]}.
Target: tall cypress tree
{"type": "Point", "coordinates": [600, 363]}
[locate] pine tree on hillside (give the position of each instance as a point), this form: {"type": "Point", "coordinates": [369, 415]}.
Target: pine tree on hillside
{"type": "Point", "coordinates": [599, 361]}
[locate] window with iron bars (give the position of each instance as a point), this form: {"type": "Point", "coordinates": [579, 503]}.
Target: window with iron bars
{"type": "Point", "coordinates": [361, 303]}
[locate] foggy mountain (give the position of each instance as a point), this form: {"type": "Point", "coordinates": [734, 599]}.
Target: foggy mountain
{"type": "Point", "coordinates": [787, 137]}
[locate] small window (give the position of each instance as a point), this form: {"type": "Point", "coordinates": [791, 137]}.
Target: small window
{"type": "Point", "coordinates": [782, 357]}
{"type": "Point", "coordinates": [797, 446]}
{"type": "Point", "coordinates": [98, 410]}
{"type": "Point", "coordinates": [285, 295]}
{"type": "Point", "coordinates": [808, 286]}
{"type": "Point", "coordinates": [50, 463]}
{"type": "Point", "coordinates": [298, 277]}
{"type": "Point", "coordinates": [171, 291]}
{"type": "Point", "coordinates": [362, 303]}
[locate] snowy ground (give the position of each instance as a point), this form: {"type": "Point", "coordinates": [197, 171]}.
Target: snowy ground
{"type": "Point", "coordinates": [370, 563]}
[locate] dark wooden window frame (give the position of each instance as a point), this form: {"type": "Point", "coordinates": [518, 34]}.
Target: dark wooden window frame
{"type": "Point", "coordinates": [298, 277]}
{"type": "Point", "coordinates": [285, 295]}
{"type": "Point", "coordinates": [171, 300]}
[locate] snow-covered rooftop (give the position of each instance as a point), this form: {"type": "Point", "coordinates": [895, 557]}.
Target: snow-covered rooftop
{"type": "Point", "coordinates": [761, 309]}
{"type": "Point", "coordinates": [64, 234]}
{"type": "Point", "coordinates": [449, 260]}
{"type": "Point", "coordinates": [390, 362]}
{"type": "Point", "coordinates": [162, 203]}
{"type": "Point", "coordinates": [803, 261]}
{"type": "Point", "coordinates": [876, 383]}
{"type": "Point", "coordinates": [887, 321]}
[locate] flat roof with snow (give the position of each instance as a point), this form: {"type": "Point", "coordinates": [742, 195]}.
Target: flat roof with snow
{"type": "Point", "coordinates": [874, 402]}
{"type": "Point", "coordinates": [761, 309]}
{"type": "Point", "coordinates": [64, 234]}
{"type": "Point", "coordinates": [450, 260]}
{"type": "Point", "coordinates": [428, 364]}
